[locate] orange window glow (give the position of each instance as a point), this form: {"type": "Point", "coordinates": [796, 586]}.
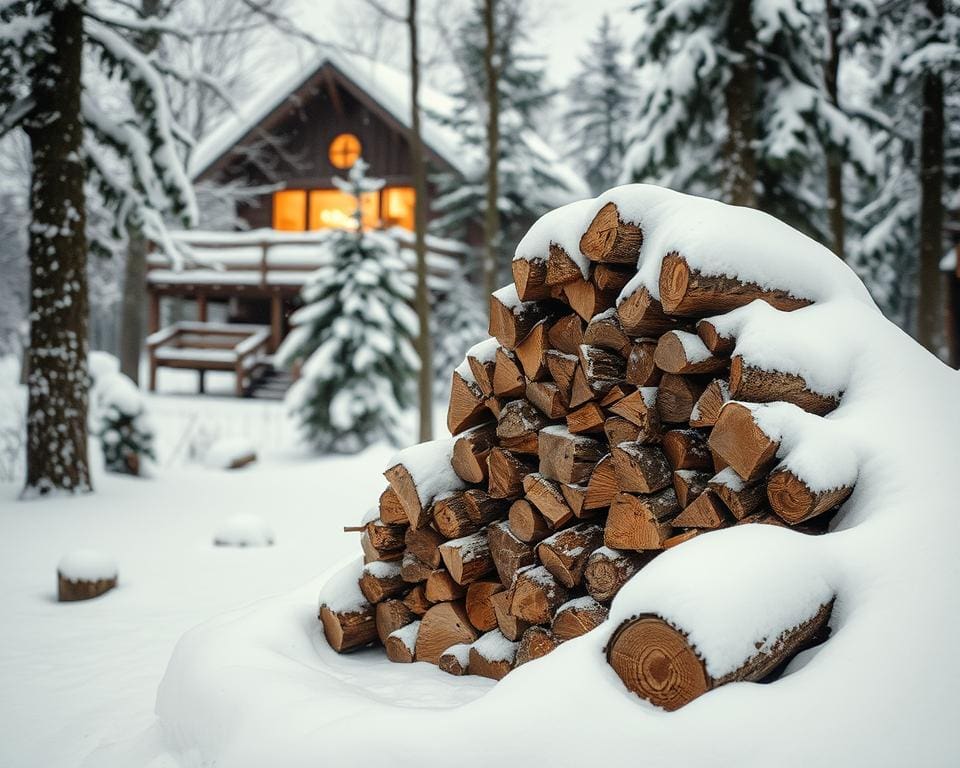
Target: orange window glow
{"type": "Point", "coordinates": [398, 207]}
{"type": "Point", "coordinates": [333, 209]}
{"type": "Point", "coordinates": [344, 151]}
{"type": "Point", "coordinates": [290, 210]}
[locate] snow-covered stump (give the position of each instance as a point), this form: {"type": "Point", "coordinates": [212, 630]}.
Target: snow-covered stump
{"type": "Point", "coordinates": [85, 574]}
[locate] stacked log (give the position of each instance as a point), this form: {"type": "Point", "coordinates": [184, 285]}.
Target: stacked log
{"type": "Point", "coordinates": [589, 436]}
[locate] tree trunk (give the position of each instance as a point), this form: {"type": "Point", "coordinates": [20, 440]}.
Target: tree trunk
{"type": "Point", "coordinates": [834, 158]}
{"type": "Point", "coordinates": [57, 357]}
{"type": "Point", "coordinates": [491, 222]}
{"type": "Point", "coordinates": [134, 300]}
{"type": "Point", "coordinates": [739, 95]}
{"type": "Point", "coordinates": [424, 350]}
{"type": "Point", "coordinates": [930, 299]}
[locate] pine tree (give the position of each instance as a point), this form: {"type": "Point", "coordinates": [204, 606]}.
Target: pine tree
{"type": "Point", "coordinates": [602, 96]}
{"type": "Point", "coordinates": [353, 338]}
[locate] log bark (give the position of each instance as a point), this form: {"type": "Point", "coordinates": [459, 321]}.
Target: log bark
{"type": "Point", "coordinates": [511, 319]}
{"type": "Point", "coordinates": [641, 369]}
{"type": "Point", "coordinates": [566, 552]}
{"type": "Point", "coordinates": [715, 341]}
{"type": "Point", "coordinates": [451, 516]}
{"type": "Point", "coordinates": [532, 353]}
{"type": "Point", "coordinates": [467, 558]}
{"type": "Point", "coordinates": [348, 630]}
{"type": "Point", "coordinates": [657, 662]}
{"type": "Point", "coordinates": [611, 240]}
{"type": "Point", "coordinates": [609, 569]}
{"type": "Point", "coordinates": [601, 368]}
{"type": "Point", "coordinates": [492, 656]}
{"type": "Point", "coordinates": [676, 397]}
{"type": "Point", "coordinates": [381, 580]}
{"type": "Point", "coordinates": [530, 277]}
{"type": "Point", "coordinates": [391, 615]}
{"type": "Point", "coordinates": [795, 502]}
{"type": "Point", "coordinates": [577, 617]}
{"type": "Point", "coordinates": [688, 483]}
{"type": "Point", "coordinates": [536, 595]}
{"type": "Point", "coordinates": [371, 554]}
{"type": "Point", "coordinates": [546, 496]}
{"type": "Point", "coordinates": [444, 625]}
{"type": "Point", "coordinates": [566, 457]}
{"type": "Point", "coordinates": [604, 331]}
{"type": "Point", "coordinates": [518, 427]}
{"type": "Point", "coordinates": [479, 605]}
{"type": "Point", "coordinates": [642, 315]}
{"type": "Point", "coordinates": [509, 553]}
{"type": "Point", "coordinates": [688, 292]}
{"type": "Point", "coordinates": [612, 277]}
{"type": "Point", "coordinates": [684, 352]}
{"type": "Point", "coordinates": [741, 498]}
{"type": "Point", "coordinates": [385, 538]}
{"type": "Point", "coordinates": [641, 468]}
{"type": "Point", "coordinates": [706, 512]}
{"type": "Point", "coordinates": [508, 379]}
{"type": "Point", "coordinates": [400, 645]}
{"type": "Point", "coordinates": [535, 643]}
{"type": "Point", "coordinates": [641, 522]}
{"type": "Point", "coordinates": [707, 408]}
{"type": "Point", "coordinates": [566, 334]}
{"type": "Point", "coordinates": [740, 442]}
{"type": "Point", "coordinates": [470, 453]}
{"type": "Point", "coordinates": [526, 522]}
{"type": "Point", "coordinates": [456, 660]}
{"type": "Point", "coordinates": [687, 449]}
{"type": "Point", "coordinates": [506, 473]}
{"type": "Point", "coordinates": [756, 385]}
{"type": "Point", "coordinates": [69, 591]}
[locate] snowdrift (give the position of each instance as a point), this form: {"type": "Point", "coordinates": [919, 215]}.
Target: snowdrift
{"type": "Point", "coordinates": [262, 686]}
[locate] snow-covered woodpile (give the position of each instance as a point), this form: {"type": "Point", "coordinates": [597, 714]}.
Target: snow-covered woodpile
{"type": "Point", "coordinates": [615, 413]}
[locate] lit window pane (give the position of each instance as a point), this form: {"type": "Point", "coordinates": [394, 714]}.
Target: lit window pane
{"type": "Point", "coordinates": [333, 209]}
{"type": "Point", "coordinates": [398, 207]}
{"type": "Point", "coordinates": [290, 210]}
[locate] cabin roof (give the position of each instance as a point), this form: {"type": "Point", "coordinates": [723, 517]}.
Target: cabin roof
{"type": "Point", "coordinates": [388, 89]}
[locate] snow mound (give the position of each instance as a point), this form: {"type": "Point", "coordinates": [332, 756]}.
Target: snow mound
{"type": "Point", "coordinates": [230, 453]}
{"type": "Point", "coordinates": [87, 565]}
{"type": "Point", "coordinates": [245, 530]}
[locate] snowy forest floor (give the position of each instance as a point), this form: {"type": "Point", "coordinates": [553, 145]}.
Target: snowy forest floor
{"type": "Point", "coordinates": [76, 676]}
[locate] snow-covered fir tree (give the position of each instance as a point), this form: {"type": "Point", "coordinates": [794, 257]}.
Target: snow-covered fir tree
{"type": "Point", "coordinates": [353, 338]}
{"type": "Point", "coordinates": [118, 417]}
{"type": "Point", "coordinates": [602, 96]}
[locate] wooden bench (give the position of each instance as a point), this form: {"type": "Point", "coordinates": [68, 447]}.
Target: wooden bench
{"type": "Point", "coordinates": [209, 347]}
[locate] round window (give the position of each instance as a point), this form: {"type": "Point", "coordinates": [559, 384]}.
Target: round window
{"type": "Point", "coordinates": [344, 150]}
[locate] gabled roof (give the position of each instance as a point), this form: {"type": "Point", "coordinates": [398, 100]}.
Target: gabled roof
{"type": "Point", "coordinates": [384, 86]}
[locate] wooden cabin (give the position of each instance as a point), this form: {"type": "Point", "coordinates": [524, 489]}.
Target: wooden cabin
{"type": "Point", "coordinates": [283, 149]}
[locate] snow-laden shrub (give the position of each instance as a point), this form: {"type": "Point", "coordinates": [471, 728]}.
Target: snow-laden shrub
{"type": "Point", "coordinates": [118, 417]}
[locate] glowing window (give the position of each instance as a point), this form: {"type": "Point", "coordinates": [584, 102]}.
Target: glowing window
{"type": "Point", "coordinates": [333, 209]}
{"type": "Point", "coordinates": [344, 150]}
{"type": "Point", "coordinates": [398, 207]}
{"type": "Point", "coordinates": [290, 210]}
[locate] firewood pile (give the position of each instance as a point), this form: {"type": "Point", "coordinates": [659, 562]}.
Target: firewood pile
{"type": "Point", "coordinates": [590, 435]}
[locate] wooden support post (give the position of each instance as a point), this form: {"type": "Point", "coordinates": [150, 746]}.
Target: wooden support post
{"type": "Point", "coordinates": [202, 307]}
{"type": "Point", "coordinates": [153, 312]}
{"type": "Point", "coordinates": [276, 320]}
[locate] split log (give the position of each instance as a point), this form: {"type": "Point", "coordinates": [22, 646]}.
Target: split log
{"type": "Point", "coordinates": [641, 468]}
{"type": "Point", "coordinates": [468, 405]}
{"type": "Point", "coordinates": [688, 483]}
{"type": "Point", "coordinates": [586, 299]}
{"type": "Point", "coordinates": [617, 392]}
{"type": "Point", "coordinates": [642, 315]}
{"type": "Point", "coordinates": [391, 510]}
{"type": "Point", "coordinates": [518, 426]}
{"type": "Point", "coordinates": [566, 552]}
{"type": "Point", "coordinates": [481, 359]}
{"type": "Point", "coordinates": [391, 615]}
{"type": "Point", "coordinates": [451, 516]}
{"type": "Point", "coordinates": [413, 570]}
{"type": "Point", "coordinates": [705, 512]}
{"type": "Point", "coordinates": [576, 497]}
{"type": "Point", "coordinates": [536, 595]}
{"type": "Point", "coordinates": [715, 341]}
{"type": "Point", "coordinates": [548, 398]}
{"type": "Point", "coordinates": [756, 385]}
{"type": "Point", "coordinates": [532, 352]}
{"type": "Point", "coordinates": [657, 662]}
{"type": "Point", "coordinates": [641, 408]}
{"type": "Point", "coordinates": [641, 522]}
{"type": "Point", "coordinates": [530, 278]}
{"type": "Point", "coordinates": [577, 617]}
{"type": "Point", "coordinates": [604, 331]}
{"type": "Point", "coordinates": [566, 457]}
{"type": "Point", "coordinates": [526, 522]}
{"type": "Point", "coordinates": [580, 391]}
{"type": "Point", "coordinates": [740, 497]}
{"type": "Point", "coordinates": [679, 538]}
{"type": "Point", "coordinates": [467, 558]}
{"type": "Point", "coordinates": [562, 367]}
{"type": "Point", "coordinates": [546, 496]}
{"type": "Point", "coordinates": [508, 379]}
{"type": "Point", "coordinates": [641, 369]}
{"type": "Point", "coordinates": [495, 405]}
{"type": "Point", "coordinates": [416, 600]}
{"type": "Point", "coordinates": [420, 473]}
{"type": "Point", "coordinates": [602, 485]}
{"type": "Point", "coordinates": [380, 580]}
{"type": "Point", "coordinates": [687, 291]}
{"type": "Point", "coordinates": [535, 643]}
{"type": "Point", "coordinates": [444, 625]}
{"type": "Point", "coordinates": [795, 502]}
{"type": "Point", "coordinates": [440, 587]}
{"type": "Point", "coordinates": [561, 268]}
{"type": "Point", "coordinates": [509, 625]}
{"type": "Point", "coordinates": [512, 319]}
{"type": "Point", "coordinates": [483, 508]}
{"type": "Point", "coordinates": [602, 368]}
{"type": "Point", "coordinates": [618, 430]}
{"type": "Point", "coordinates": [610, 239]}
{"type": "Point", "coordinates": [566, 334]}
{"type": "Point", "coordinates": [506, 473]}
{"type": "Point", "coordinates": [684, 352]}
{"type": "Point", "coordinates": [492, 655]}
{"type": "Point", "coordinates": [687, 449]}
{"type": "Point", "coordinates": [385, 538]}
{"type": "Point", "coordinates": [371, 554]}
{"type": "Point", "coordinates": [509, 553]}
{"type": "Point", "coordinates": [350, 629]}
{"type": "Point", "coordinates": [676, 396]}
{"type": "Point", "coordinates": [706, 411]}
{"type": "Point", "coordinates": [456, 660]}
{"type": "Point", "coordinates": [611, 277]}
{"type": "Point", "coordinates": [479, 605]}
{"type": "Point", "coordinates": [739, 441]}
{"type": "Point", "coordinates": [470, 451]}
{"type": "Point", "coordinates": [423, 544]}
{"type": "Point", "coordinates": [586, 419]}
{"type": "Point", "coordinates": [609, 569]}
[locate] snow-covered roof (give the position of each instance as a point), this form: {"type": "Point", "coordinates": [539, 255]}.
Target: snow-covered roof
{"type": "Point", "coordinates": [390, 88]}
